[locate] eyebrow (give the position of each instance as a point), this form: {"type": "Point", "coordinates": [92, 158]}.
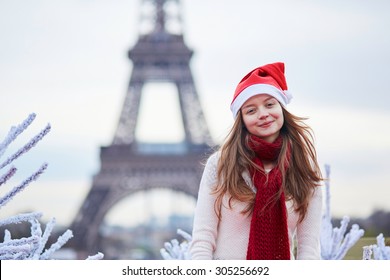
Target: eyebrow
{"type": "Point", "coordinates": [265, 100]}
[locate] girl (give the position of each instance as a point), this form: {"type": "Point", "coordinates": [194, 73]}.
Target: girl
{"type": "Point", "coordinates": [259, 197]}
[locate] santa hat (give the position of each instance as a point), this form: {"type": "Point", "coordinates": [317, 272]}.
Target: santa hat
{"type": "Point", "coordinates": [268, 79]}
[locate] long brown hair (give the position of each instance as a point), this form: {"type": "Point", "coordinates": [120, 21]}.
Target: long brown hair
{"type": "Point", "coordinates": [299, 179]}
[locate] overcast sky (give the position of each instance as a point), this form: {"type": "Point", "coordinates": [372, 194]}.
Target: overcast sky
{"type": "Point", "coordinates": [67, 62]}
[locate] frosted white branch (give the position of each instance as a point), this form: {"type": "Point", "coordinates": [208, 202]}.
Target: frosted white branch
{"type": "Point", "coordinates": [98, 256]}
{"type": "Point", "coordinates": [56, 246]}
{"type": "Point", "coordinates": [7, 175]}
{"type": "Point", "coordinates": [177, 251]}
{"type": "Point", "coordinates": [45, 237]}
{"type": "Point", "coordinates": [20, 218]}
{"type": "Point", "coordinates": [185, 235]}
{"type": "Point", "coordinates": [18, 242]}
{"type": "Point", "coordinates": [35, 228]}
{"type": "Point", "coordinates": [380, 250]}
{"type": "Point", "coordinates": [367, 252]}
{"type": "Point", "coordinates": [14, 252]}
{"type": "Point", "coordinates": [335, 243]}
{"type": "Point", "coordinates": [4, 200]}
{"type": "Point", "coordinates": [15, 131]}
{"type": "Point", "coordinates": [7, 235]}
{"type": "Point", "coordinates": [27, 146]}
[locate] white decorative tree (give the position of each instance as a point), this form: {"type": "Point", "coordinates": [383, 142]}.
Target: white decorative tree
{"type": "Point", "coordinates": [177, 251]}
{"type": "Point", "coordinates": [334, 243]}
{"type": "Point", "coordinates": [27, 247]}
{"type": "Point", "coordinates": [380, 250]}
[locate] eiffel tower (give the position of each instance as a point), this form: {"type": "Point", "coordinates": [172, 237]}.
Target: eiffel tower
{"type": "Point", "coordinates": [128, 165]}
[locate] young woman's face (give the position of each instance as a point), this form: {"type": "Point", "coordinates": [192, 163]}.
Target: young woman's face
{"type": "Point", "coordinates": [263, 116]}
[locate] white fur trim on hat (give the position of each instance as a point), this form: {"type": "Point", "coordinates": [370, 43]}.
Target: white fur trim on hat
{"type": "Point", "coordinates": [283, 97]}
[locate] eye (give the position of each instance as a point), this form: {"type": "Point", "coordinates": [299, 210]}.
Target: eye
{"type": "Point", "coordinates": [249, 111]}
{"type": "Point", "coordinates": [270, 104]}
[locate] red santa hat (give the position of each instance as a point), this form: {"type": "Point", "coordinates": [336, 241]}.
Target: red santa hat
{"type": "Point", "coordinates": [268, 79]}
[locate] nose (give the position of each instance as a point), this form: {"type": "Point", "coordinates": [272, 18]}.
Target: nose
{"type": "Point", "coordinates": [263, 114]}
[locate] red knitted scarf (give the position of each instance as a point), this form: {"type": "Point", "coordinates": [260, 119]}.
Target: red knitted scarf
{"type": "Point", "coordinates": [268, 236]}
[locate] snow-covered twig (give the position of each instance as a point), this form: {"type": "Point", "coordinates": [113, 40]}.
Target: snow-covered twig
{"type": "Point", "coordinates": [177, 251]}
{"type": "Point", "coordinates": [5, 199]}
{"type": "Point", "coordinates": [7, 175]}
{"type": "Point", "coordinates": [56, 246]}
{"type": "Point", "coordinates": [98, 256]}
{"type": "Point", "coordinates": [335, 243]}
{"type": "Point", "coordinates": [15, 131]}
{"type": "Point", "coordinates": [380, 251]}
{"type": "Point", "coordinates": [27, 146]}
{"type": "Point", "coordinates": [20, 218]}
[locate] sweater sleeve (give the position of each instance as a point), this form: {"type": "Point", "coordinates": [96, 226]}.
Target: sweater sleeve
{"type": "Point", "coordinates": [309, 230]}
{"type": "Point", "coordinates": [205, 225]}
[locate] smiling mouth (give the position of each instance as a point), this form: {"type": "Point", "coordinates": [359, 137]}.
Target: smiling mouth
{"type": "Point", "coordinates": [267, 124]}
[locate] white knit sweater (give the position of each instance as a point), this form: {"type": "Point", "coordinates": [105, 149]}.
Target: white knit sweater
{"type": "Point", "coordinates": [228, 239]}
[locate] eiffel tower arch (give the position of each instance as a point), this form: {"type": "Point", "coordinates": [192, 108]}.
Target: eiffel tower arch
{"type": "Point", "coordinates": [128, 166]}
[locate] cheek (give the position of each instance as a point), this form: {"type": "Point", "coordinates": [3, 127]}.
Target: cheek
{"type": "Point", "coordinates": [248, 121]}
{"type": "Point", "coordinates": [281, 122]}
{"type": "Point", "coordinates": [281, 119]}
{"type": "Point", "coordinates": [278, 115]}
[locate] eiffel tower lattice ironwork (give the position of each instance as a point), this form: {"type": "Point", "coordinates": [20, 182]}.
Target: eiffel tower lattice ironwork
{"type": "Point", "coordinates": [128, 166]}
